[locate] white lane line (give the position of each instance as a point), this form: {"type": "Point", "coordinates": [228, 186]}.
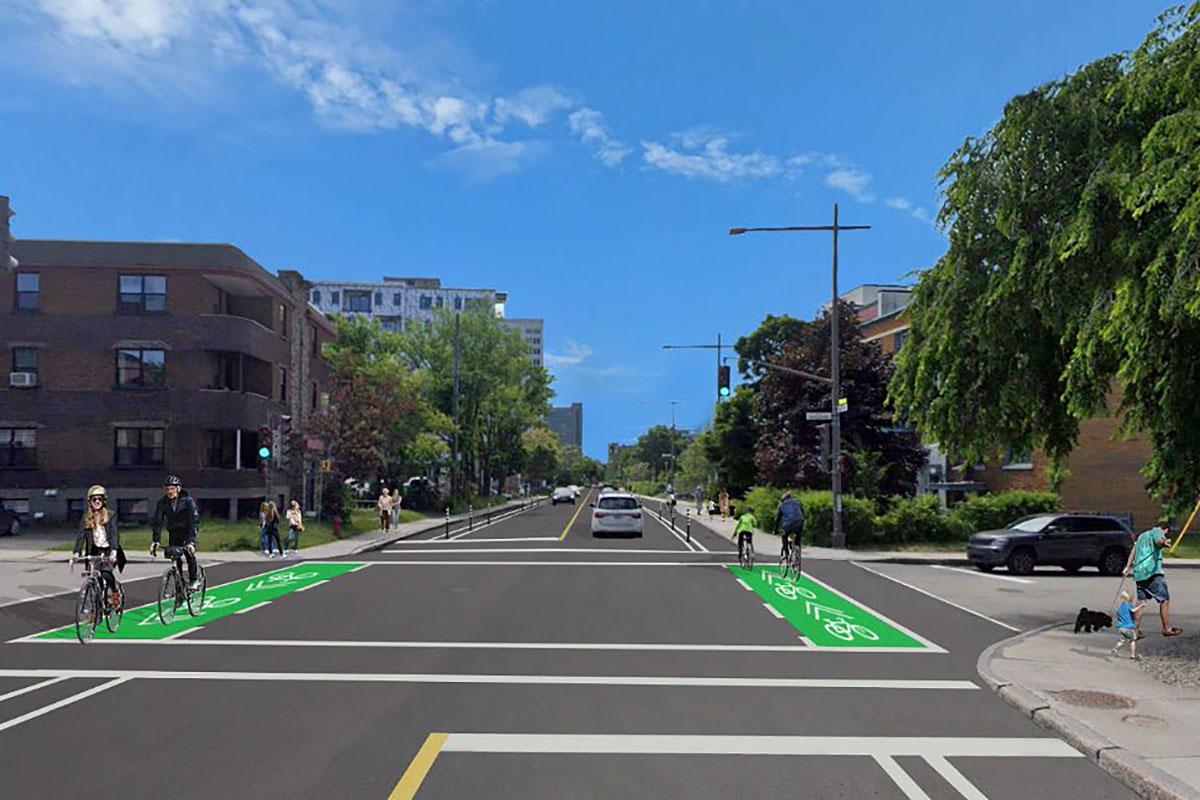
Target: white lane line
{"type": "Point", "coordinates": [694, 682]}
{"type": "Point", "coordinates": [977, 574]}
{"type": "Point", "coordinates": [170, 638]}
{"type": "Point", "coordinates": [248, 609]}
{"type": "Point", "coordinates": [664, 744]}
{"type": "Point", "coordinates": [954, 777]}
{"type": "Point", "coordinates": [550, 551]}
{"type": "Point", "coordinates": [478, 526]}
{"type": "Point", "coordinates": [306, 588]}
{"type": "Point", "coordinates": [951, 603]}
{"type": "Point", "coordinates": [410, 542]}
{"type": "Point", "coordinates": [472, 563]}
{"type": "Point", "coordinates": [360, 566]}
{"type": "Point", "coordinates": [65, 592]}
{"type": "Point", "coordinates": [584, 646]}
{"type": "Point", "coordinates": [902, 779]}
{"type": "Point", "coordinates": [66, 701]}
{"type": "Point", "coordinates": [694, 544]}
{"type": "Point", "coordinates": [744, 585]}
{"type": "Point", "coordinates": [28, 689]}
{"type": "Point", "coordinates": [774, 611]}
{"type": "Point", "coordinates": [889, 620]}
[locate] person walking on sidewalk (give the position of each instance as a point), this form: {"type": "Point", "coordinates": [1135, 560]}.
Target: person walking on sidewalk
{"type": "Point", "coordinates": [295, 521]}
{"type": "Point", "coordinates": [1126, 627]}
{"type": "Point", "coordinates": [384, 504]}
{"type": "Point", "coordinates": [397, 501]}
{"type": "Point", "coordinates": [1145, 564]}
{"type": "Point", "coordinates": [271, 529]}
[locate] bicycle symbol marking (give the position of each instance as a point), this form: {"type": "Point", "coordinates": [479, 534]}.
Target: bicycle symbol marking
{"type": "Point", "coordinates": [836, 622]}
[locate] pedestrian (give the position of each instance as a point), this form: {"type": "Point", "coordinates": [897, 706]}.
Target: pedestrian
{"type": "Point", "coordinates": [1145, 564]}
{"type": "Point", "coordinates": [723, 500]}
{"type": "Point", "coordinates": [698, 493]}
{"type": "Point", "coordinates": [295, 520]}
{"type": "Point", "coordinates": [271, 529]}
{"type": "Point", "coordinates": [264, 542]}
{"type": "Point", "coordinates": [384, 504]}
{"type": "Point", "coordinates": [397, 500]}
{"type": "Point", "coordinates": [1126, 627]}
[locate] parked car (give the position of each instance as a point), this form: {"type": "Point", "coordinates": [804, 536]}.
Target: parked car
{"type": "Point", "coordinates": [1070, 541]}
{"type": "Point", "coordinates": [562, 494]}
{"type": "Point", "coordinates": [617, 513]}
{"type": "Point", "coordinates": [10, 522]}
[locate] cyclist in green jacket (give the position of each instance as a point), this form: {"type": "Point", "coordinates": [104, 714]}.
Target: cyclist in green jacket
{"type": "Point", "coordinates": [744, 530]}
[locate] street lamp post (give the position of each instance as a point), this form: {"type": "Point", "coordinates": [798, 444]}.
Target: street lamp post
{"type": "Point", "coordinates": [839, 538]}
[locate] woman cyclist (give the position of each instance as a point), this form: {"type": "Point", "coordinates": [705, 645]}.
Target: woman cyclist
{"type": "Point", "coordinates": [98, 536]}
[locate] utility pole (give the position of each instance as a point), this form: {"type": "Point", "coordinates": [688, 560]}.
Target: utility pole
{"type": "Point", "coordinates": [839, 538]}
{"type": "Point", "coordinates": [672, 477]}
{"type": "Point", "coordinates": [455, 477]}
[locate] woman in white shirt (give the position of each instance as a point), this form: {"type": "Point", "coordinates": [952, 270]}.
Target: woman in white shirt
{"type": "Point", "coordinates": [295, 521]}
{"type": "Point", "coordinates": [98, 536]}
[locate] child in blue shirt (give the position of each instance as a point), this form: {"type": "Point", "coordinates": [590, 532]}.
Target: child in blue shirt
{"type": "Point", "coordinates": [1126, 627]}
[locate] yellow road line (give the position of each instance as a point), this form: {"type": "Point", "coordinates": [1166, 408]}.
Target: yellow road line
{"type": "Point", "coordinates": [575, 516]}
{"type": "Point", "coordinates": [422, 762]}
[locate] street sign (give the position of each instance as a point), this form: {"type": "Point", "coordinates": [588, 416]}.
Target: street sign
{"type": "Point", "coordinates": [327, 465]}
{"type": "Point", "coordinates": [818, 416]}
{"type": "Point", "coordinates": [843, 405]}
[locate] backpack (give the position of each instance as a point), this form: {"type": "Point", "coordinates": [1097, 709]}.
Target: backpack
{"type": "Point", "coordinates": [791, 514]}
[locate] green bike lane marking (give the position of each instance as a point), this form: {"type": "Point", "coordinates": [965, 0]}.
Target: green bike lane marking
{"type": "Point", "coordinates": [827, 618]}
{"type": "Point", "coordinates": [142, 622]}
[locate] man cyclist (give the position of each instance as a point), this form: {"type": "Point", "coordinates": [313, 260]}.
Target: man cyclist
{"type": "Point", "coordinates": [744, 531]}
{"type": "Point", "coordinates": [790, 517]}
{"type": "Point", "coordinates": [178, 512]}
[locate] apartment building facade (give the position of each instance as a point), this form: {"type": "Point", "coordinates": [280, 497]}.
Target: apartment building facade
{"type": "Point", "coordinates": [130, 361]}
{"type": "Point", "coordinates": [532, 331]}
{"type": "Point", "coordinates": [567, 424]}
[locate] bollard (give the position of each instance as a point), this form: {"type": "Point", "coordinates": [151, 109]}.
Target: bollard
{"type": "Point", "coordinates": [447, 522]}
{"type": "Point", "coordinates": [489, 515]}
{"type": "Point", "coordinates": [689, 524]}
{"type": "Point", "coordinates": [470, 518]}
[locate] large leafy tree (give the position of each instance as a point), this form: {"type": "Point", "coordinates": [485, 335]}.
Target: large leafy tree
{"type": "Point", "coordinates": [788, 449]}
{"type": "Point", "coordinates": [653, 446]}
{"type": "Point", "coordinates": [729, 444]}
{"type": "Point", "coordinates": [1070, 286]}
{"type": "Point", "coordinates": [543, 453]}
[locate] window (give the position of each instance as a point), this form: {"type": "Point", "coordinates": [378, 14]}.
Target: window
{"type": "Point", "coordinates": [17, 505]}
{"type": "Point", "coordinates": [316, 297]}
{"type": "Point", "coordinates": [27, 291]}
{"type": "Point", "coordinates": [313, 407]}
{"type": "Point", "coordinates": [25, 359]}
{"type": "Point", "coordinates": [75, 508]}
{"type": "Point", "coordinates": [283, 321]}
{"type": "Point", "coordinates": [441, 301]}
{"type": "Point", "coordinates": [898, 339]}
{"type": "Point", "coordinates": [216, 453]}
{"type": "Point", "coordinates": [1033, 524]}
{"type": "Point", "coordinates": [283, 384]}
{"type": "Point", "coordinates": [133, 512]}
{"type": "Point", "coordinates": [138, 447]}
{"type": "Point", "coordinates": [1015, 460]}
{"type": "Point", "coordinates": [141, 369]}
{"type": "Point", "coordinates": [395, 298]}
{"type": "Point", "coordinates": [617, 504]}
{"type": "Point", "coordinates": [458, 304]}
{"type": "Point", "coordinates": [18, 447]}
{"type": "Point", "coordinates": [316, 342]}
{"type": "Point", "coordinates": [426, 302]}
{"type": "Point", "coordinates": [335, 298]}
{"type": "Point", "coordinates": [358, 301]}
{"type": "Point", "coordinates": [142, 294]}
{"type": "Point", "coordinates": [379, 298]}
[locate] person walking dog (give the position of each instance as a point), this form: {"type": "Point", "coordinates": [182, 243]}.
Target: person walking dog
{"type": "Point", "coordinates": [1145, 565]}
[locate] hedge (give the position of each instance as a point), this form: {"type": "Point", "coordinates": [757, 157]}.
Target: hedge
{"type": "Point", "coordinates": [992, 511]}
{"type": "Point", "coordinates": [858, 515]}
{"type": "Point", "coordinates": [917, 519]}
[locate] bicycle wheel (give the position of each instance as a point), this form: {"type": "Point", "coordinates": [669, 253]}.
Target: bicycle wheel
{"type": "Point", "coordinates": [195, 597]}
{"type": "Point", "coordinates": [87, 612]}
{"type": "Point", "coordinates": [168, 598]}
{"type": "Point", "coordinates": [784, 564]}
{"type": "Point", "coordinates": [112, 620]}
{"type": "Point", "coordinates": [750, 555]}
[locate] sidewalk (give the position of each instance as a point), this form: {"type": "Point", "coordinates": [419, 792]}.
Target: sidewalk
{"type": "Point", "coordinates": [1144, 732]}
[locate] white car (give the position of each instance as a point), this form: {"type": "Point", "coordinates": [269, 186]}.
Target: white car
{"type": "Point", "coordinates": [617, 512]}
{"type": "Point", "coordinates": [575, 489]}
{"type": "Point", "coordinates": [562, 494]}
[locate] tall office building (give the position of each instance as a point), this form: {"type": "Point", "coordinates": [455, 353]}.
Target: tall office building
{"type": "Point", "coordinates": [567, 424]}
{"type": "Point", "coordinates": [531, 330]}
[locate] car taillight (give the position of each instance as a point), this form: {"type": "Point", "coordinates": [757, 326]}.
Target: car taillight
{"type": "Point", "coordinates": [599, 515]}
{"type": "Point", "coordinates": [637, 516]}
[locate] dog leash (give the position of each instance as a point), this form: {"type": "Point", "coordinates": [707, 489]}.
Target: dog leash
{"type": "Point", "coordinates": [1113, 606]}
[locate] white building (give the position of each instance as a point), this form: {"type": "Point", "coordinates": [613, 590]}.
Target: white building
{"type": "Point", "coordinates": [395, 302]}
{"type": "Point", "coordinates": [531, 330]}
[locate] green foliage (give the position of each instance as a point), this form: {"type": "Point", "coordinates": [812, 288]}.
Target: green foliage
{"type": "Point", "coordinates": [919, 519]}
{"type": "Point", "coordinates": [1070, 286]}
{"type": "Point", "coordinates": [729, 446]}
{"type": "Point", "coordinates": [650, 488]}
{"type": "Point", "coordinates": [543, 453]}
{"type": "Point", "coordinates": [992, 511]}
{"type": "Point", "coordinates": [337, 500]}
{"type": "Point", "coordinates": [858, 514]}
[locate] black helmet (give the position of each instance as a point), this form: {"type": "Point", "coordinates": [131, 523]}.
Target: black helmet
{"type": "Point", "coordinates": [172, 480]}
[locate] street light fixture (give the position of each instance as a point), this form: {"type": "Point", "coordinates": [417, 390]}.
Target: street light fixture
{"type": "Point", "coordinates": [839, 538]}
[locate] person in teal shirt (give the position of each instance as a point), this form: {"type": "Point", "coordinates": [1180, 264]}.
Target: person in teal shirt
{"type": "Point", "coordinates": [1145, 565]}
{"type": "Point", "coordinates": [744, 531]}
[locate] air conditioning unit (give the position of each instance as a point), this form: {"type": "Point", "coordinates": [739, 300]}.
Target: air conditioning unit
{"type": "Point", "coordinates": [22, 380]}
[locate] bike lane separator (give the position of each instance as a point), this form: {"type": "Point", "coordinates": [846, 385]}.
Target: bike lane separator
{"type": "Point", "coordinates": [828, 618]}
{"type": "Point", "coordinates": [239, 596]}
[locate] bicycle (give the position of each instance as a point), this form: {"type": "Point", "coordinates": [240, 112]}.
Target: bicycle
{"type": "Point", "coordinates": [746, 553]}
{"type": "Point", "coordinates": [789, 560]}
{"type": "Point", "coordinates": [174, 591]}
{"type": "Point", "coordinates": [94, 601]}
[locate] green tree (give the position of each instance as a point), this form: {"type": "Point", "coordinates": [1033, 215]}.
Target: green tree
{"type": "Point", "coordinates": [543, 454]}
{"type": "Point", "coordinates": [729, 445]}
{"type": "Point", "coordinates": [1070, 282]}
{"type": "Point", "coordinates": [653, 445]}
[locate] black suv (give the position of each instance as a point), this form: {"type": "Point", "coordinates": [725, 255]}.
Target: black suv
{"type": "Point", "coordinates": [1070, 541]}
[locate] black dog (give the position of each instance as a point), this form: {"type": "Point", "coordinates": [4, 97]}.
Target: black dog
{"type": "Point", "coordinates": [1092, 621]}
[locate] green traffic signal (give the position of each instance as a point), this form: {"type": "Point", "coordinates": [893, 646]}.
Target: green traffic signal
{"type": "Point", "coordinates": [724, 391]}
{"type": "Point", "coordinates": [264, 452]}
{"type": "Point", "coordinates": [723, 381]}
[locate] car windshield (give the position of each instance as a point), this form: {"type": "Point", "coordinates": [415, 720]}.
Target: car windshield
{"type": "Point", "coordinates": [1031, 525]}
{"type": "Point", "coordinates": [618, 503]}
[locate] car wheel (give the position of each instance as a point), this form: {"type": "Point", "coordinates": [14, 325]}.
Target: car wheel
{"type": "Point", "coordinates": [985, 567]}
{"type": "Point", "coordinates": [1071, 567]}
{"type": "Point", "coordinates": [1112, 561]}
{"type": "Point", "coordinates": [1021, 561]}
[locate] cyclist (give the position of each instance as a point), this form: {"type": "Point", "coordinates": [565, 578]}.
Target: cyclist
{"type": "Point", "coordinates": [178, 512]}
{"type": "Point", "coordinates": [98, 536]}
{"type": "Point", "coordinates": [790, 517]}
{"type": "Point", "coordinates": [744, 531]}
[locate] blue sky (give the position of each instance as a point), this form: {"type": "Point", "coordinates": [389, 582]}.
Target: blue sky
{"type": "Point", "coordinates": [587, 158]}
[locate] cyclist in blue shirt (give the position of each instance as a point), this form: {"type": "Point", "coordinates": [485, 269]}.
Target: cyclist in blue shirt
{"type": "Point", "coordinates": [790, 517]}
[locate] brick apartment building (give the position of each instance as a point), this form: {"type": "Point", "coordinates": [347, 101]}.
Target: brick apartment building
{"type": "Point", "coordinates": [129, 361]}
{"type": "Point", "coordinates": [1103, 472]}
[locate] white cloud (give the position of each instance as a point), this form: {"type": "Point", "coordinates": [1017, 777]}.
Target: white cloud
{"type": "Point", "coordinates": [898, 203]}
{"type": "Point", "coordinates": [853, 181]}
{"type": "Point", "coordinates": [704, 153]}
{"type": "Point", "coordinates": [533, 106]}
{"type": "Point", "coordinates": [588, 124]}
{"type": "Point", "coordinates": [487, 159]}
{"type": "Point", "coordinates": [575, 355]}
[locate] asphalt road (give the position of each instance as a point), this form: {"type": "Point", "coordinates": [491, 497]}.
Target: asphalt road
{"type": "Point", "coordinates": [525, 659]}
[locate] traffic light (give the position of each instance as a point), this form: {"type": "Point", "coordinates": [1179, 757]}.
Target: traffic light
{"type": "Point", "coordinates": [264, 447]}
{"type": "Point", "coordinates": [723, 380]}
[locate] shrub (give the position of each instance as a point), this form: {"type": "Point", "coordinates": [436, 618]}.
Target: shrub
{"type": "Point", "coordinates": [765, 502]}
{"type": "Point", "coordinates": [337, 500]}
{"type": "Point", "coordinates": [920, 518]}
{"type": "Point", "coordinates": [989, 512]}
{"type": "Point", "coordinates": [650, 488]}
{"type": "Point", "coordinates": [858, 515]}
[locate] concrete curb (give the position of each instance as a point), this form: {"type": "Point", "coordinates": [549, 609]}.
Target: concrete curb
{"type": "Point", "coordinates": [1126, 766]}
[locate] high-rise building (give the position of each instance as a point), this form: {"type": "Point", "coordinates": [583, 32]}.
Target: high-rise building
{"type": "Point", "coordinates": [396, 302]}
{"type": "Point", "coordinates": [531, 331]}
{"type": "Point", "coordinates": [567, 424]}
